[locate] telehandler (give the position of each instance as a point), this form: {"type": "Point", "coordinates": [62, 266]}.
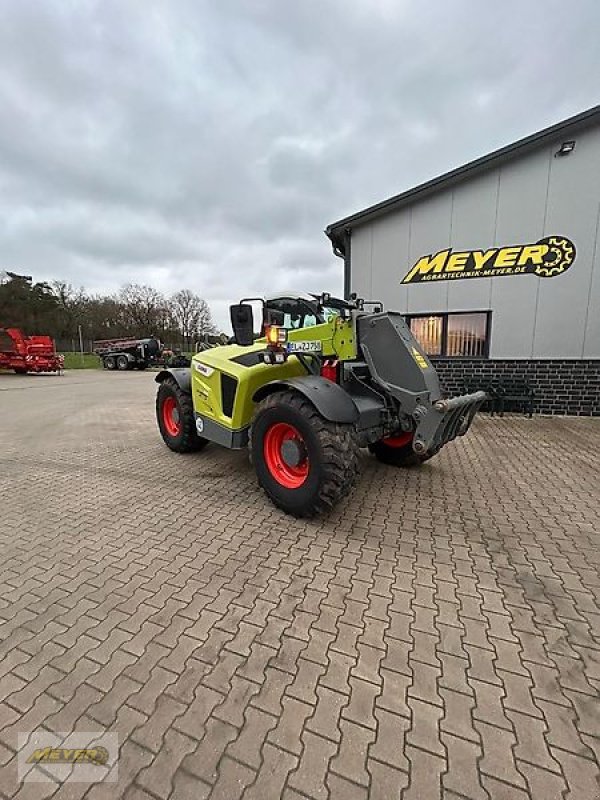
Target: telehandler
{"type": "Point", "coordinates": [322, 378]}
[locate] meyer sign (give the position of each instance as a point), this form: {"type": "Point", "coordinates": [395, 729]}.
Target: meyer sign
{"type": "Point", "coordinates": [548, 257]}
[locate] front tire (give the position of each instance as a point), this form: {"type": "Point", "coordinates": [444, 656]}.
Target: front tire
{"type": "Point", "coordinates": [175, 417]}
{"type": "Point", "coordinates": [304, 463]}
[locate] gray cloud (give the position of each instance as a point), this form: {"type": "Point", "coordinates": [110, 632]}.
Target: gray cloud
{"type": "Point", "coordinates": [208, 144]}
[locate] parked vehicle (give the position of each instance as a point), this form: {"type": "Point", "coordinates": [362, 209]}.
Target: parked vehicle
{"type": "Point", "coordinates": [325, 378]}
{"type": "Point", "coordinates": [28, 353]}
{"type": "Point", "coordinates": [174, 358]}
{"type": "Point", "coordinates": [124, 354]}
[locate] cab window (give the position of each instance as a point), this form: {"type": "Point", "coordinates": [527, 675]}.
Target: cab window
{"type": "Point", "coordinates": [292, 313]}
{"type": "Point", "coordinates": [328, 312]}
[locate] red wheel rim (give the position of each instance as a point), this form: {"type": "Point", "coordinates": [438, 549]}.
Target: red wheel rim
{"type": "Point", "coordinates": [401, 440]}
{"type": "Point", "coordinates": [170, 416]}
{"type": "Point", "coordinates": [292, 476]}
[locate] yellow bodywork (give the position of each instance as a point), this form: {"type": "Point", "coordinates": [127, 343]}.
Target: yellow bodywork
{"type": "Point", "coordinates": [337, 341]}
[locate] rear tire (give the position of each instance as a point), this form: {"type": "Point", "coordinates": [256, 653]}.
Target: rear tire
{"type": "Point", "coordinates": [20, 371]}
{"type": "Point", "coordinates": [110, 363]}
{"type": "Point", "coordinates": [403, 456]}
{"type": "Point", "coordinates": [326, 452]}
{"type": "Point", "coordinates": [122, 363]}
{"type": "Point", "coordinates": [175, 417]}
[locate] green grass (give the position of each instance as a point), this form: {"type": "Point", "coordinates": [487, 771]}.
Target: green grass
{"type": "Point", "coordinates": [89, 360]}
{"type": "Point", "coordinates": [78, 361]}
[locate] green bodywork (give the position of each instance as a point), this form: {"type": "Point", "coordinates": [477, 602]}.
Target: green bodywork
{"type": "Point", "coordinates": [337, 341]}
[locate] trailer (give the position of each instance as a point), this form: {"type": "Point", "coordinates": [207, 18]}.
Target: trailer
{"type": "Point", "coordinates": [128, 353]}
{"type": "Point", "coordinates": [24, 354]}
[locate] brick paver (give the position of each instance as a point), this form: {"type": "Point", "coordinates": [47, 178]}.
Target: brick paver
{"type": "Point", "coordinates": [436, 636]}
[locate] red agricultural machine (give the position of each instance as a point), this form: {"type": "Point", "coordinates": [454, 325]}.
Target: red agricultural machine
{"type": "Point", "coordinates": [28, 353]}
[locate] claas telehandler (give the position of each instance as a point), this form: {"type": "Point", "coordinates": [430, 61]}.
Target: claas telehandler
{"type": "Point", "coordinates": [322, 378]}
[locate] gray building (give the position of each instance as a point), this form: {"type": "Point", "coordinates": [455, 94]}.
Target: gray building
{"type": "Point", "coordinates": [496, 265]}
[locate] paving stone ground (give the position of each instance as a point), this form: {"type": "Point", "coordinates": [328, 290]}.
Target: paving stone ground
{"type": "Point", "coordinates": [437, 636]}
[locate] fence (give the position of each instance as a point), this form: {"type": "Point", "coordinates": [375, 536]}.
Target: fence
{"type": "Point", "coordinates": [72, 345]}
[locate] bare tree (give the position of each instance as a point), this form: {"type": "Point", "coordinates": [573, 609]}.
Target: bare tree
{"type": "Point", "coordinates": [59, 309]}
{"type": "Point", "coordinates": [102, 317]}
{"type": "Point", "coordinates": [63, 292]}
{"type": "Point", "coordinates": [191, 315]}
{"type": "Point", "coordinates": [144, 310]}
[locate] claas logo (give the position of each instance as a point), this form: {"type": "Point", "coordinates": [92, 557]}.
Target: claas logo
{"type": "Point", "coordinates": [547, 258]}
{"type": "Point", "coordinates": [64, 755]}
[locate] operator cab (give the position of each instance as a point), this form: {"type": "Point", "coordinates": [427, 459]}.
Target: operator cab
{"type": "Point", "coordinates": [294, 311]}
{"type": "Point", "coordinates": [289, 310]}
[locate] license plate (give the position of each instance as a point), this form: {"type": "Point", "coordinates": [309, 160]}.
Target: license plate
{"type": "Point", "coordinates": [304, 347]}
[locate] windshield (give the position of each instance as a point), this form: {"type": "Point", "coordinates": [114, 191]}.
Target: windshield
{"type": "Point", "coordinates": [295, 321]}
{"type": "Point", "coordinates": [295, 313]}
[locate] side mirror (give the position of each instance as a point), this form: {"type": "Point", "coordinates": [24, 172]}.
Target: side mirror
{"type": "Point", "coordinates": [242, 322]}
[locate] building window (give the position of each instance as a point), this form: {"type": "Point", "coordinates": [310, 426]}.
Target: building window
{"type": "Point", "coordinates": [461, 335]}
{"type": "Point", "coordinates": [428, 333]}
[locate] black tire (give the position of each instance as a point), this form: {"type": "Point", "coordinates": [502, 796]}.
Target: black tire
{"type": "Point", "coordinates": [110, 363]}
{"type": "Point", "coordinates": [122, 363]}
{"type": "Point", "coordinates": [186, 440]}
{"type": "Point", "coordinates": [331, 455]}
{"type": "Point", "coordinates": [398, 456]}
{"type": "Point", "coordinates": [142, 367]}
{"type": "Point", "coordinates": [20, 371]}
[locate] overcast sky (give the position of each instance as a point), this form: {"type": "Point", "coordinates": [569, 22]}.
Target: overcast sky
{"type": "Point", "coordinates": [208, 144]}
